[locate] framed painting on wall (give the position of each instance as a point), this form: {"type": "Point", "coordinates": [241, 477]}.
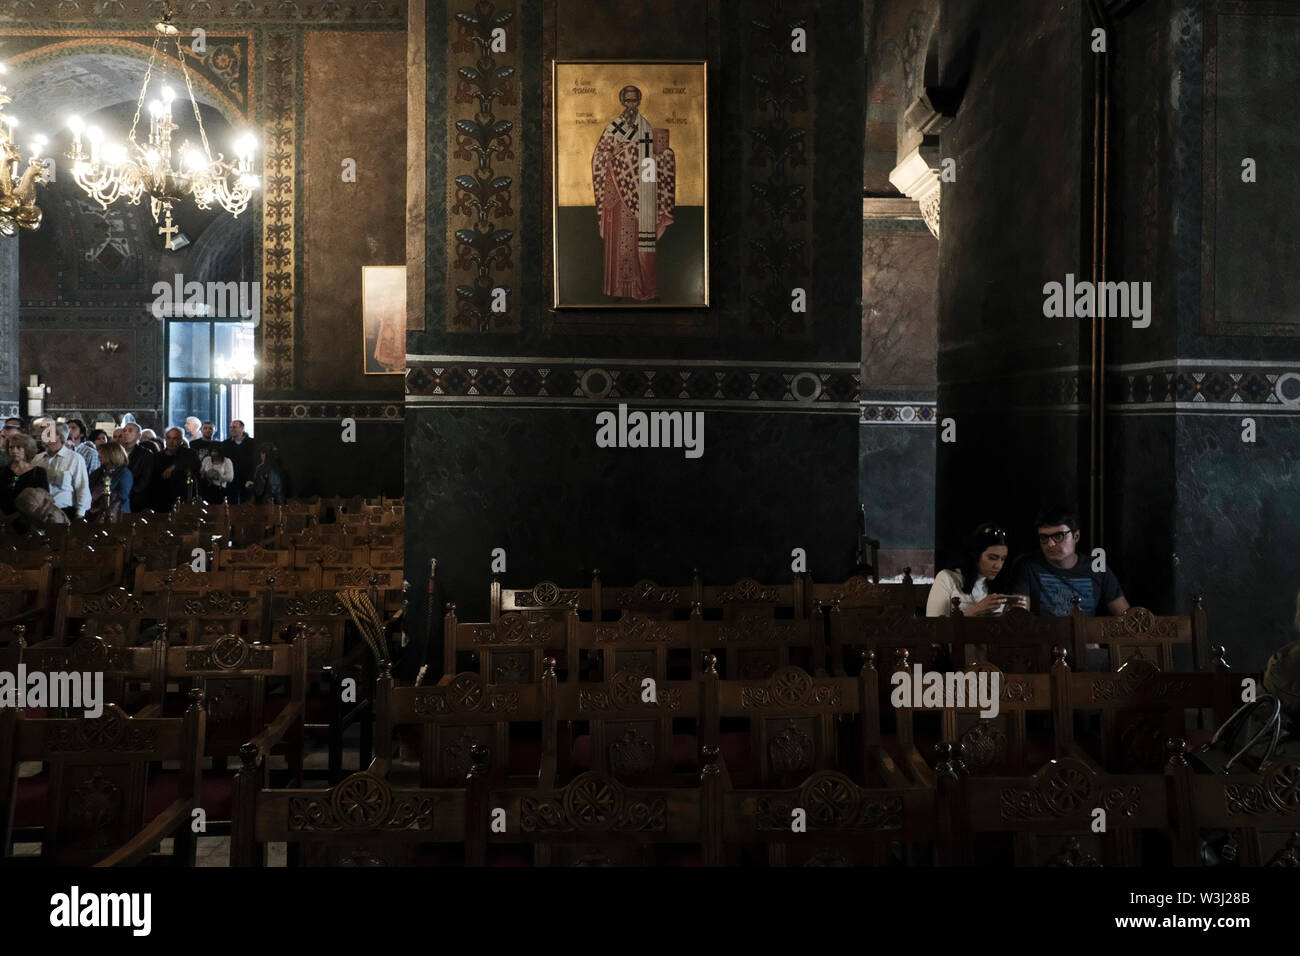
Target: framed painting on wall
{"type": "Point", "coordinates": [383, 319]}
{"type": "Point", "coordinates": [630, 165]}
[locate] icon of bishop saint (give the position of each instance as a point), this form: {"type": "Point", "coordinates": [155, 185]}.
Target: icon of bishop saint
{"type": "Point", "coordinates": [634, 200]}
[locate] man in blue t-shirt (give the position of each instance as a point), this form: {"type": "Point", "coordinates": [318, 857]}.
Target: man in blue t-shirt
{"type": "Point", "coordinates": [1053, 579]}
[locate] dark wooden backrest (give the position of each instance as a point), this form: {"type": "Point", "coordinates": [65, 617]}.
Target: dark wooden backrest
{"type": "Point", "coordinates": [120, 666]}
{"type": "Point", "coordinates": [630, 720]}
{"type": "Point", "coordinates": [98, 770]}
{"type": "Point", "coordinates": [27, 596]}
{"type": "Point", "coordinates": [1137, 633]}
{"type": "Point", "coordinates": [792, 720]}
{"type": "Point", "coordinates": [233, 675]}
{"type": "Point", "coordinates": [883, 632]}
{"type": "Point", "coordinates": [318, 617]}
{"type": "Point", "coordinates": [545, 599]}
{"type": "Point", "coordinates": [462, 712]}
{"type": "Point", "coordinates": [748, 599]}
{"type": "Point", "coordinates": [363, 821]}
{"type": "Point", "coordinates": [1016, 641]}
{"type": "Point", "coordinates": [988, 744]}
{"type": "Point", "coordinates": [180, 579]}
{"type": "Point", "coordinates": [634, 641]}
{"type": "Point", "coordinates": [1141, 708]}
{"type": "Point", "coordinates": [860, 593]}
{"type": "Point", "coordinates": [510, 649]}
{"type": "Point", "coordinates": [646, 598]}
{"type": "Point", "coordinates": [207, 616]}
{"type": "Point", "coordinates": [254, 555]}
{"type": "Point", "coordinates": [1050, 814]}
{"type": "Point", "coordinates": [118, 616]}
{"type": "Point", "coordinates": [756, 644]}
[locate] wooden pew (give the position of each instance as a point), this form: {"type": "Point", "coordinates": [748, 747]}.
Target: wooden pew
{"type": "Point", "coordinates": [91, 803]}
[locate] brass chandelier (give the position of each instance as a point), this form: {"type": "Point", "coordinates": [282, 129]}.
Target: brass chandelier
{"type": "Point", "coordinates": [18, 207]}
{"type": "Point", "coordinates": [115, 170]}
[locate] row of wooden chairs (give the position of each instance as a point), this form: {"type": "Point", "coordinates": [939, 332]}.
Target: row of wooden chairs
{"type": "Point", "coordinates": [473, 802]}
{"type": "Point", "coordinates": [797, 599]}
{"type": "Point", "coordinates": [755, 642]}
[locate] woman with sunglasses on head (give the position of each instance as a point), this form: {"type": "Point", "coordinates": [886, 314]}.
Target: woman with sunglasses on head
{"type": "Point", "coordinates": [982, 560]}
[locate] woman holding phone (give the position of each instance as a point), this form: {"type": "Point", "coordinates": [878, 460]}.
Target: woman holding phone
{"type": "Point", "coordinates": [983, 556]}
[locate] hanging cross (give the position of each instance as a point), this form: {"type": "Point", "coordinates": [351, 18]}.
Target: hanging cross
{"type": "Point", "coordinates": [170, 229]}
{"type": "Point", "coordinates": [647, 140]}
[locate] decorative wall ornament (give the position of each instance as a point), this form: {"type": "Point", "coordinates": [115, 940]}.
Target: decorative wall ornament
{"type": "Point", "coordinates": [279, 117]}
{"type": "Point", "coordinates": [778, 166]}
{"type": "Point", "coordinates": [484, 112]}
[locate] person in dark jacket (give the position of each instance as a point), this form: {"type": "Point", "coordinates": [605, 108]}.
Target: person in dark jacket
{"type": "Point", "coordinates": [21, 473]}
{"type": "Point", "coordinates": [242, 452]}
{"type": "Point", "coordinates": [139, 459]}
{"type": "Point", "coordinates": [171, 469]}
{"type": "Point", "coordinates": [268, 481]}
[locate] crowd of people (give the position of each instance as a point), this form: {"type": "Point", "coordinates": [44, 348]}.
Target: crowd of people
{"type": "Point", "coordinates": [58, 471]}
{"type": "Point", "coordinates": [1044, 582]}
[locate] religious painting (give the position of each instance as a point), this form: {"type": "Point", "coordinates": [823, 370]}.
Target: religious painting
{"type": "Point", "coordinates": [383, 319]}
{"type": "Point", "coordinates": [631, 215]}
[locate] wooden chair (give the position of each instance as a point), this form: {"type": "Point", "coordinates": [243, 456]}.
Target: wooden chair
{"type": "Point", "coordinates": [1257, 814]}
{"type": "Point", "coordinates": [645, 598]}
{"type": "Point", "coordinates": [633, 642]}
{"type": "Point", "coordinates": [1016, 641]}
{"type": "Point", "coordinates": [594, 820]}
{"type": "Point", "coordinates": [513, 723]}
{"type": "Point", "coordinates": [361, 821]}
{"type": "Point", "coordinates": [508, 650]}
{"type": "Point", "coordinates": [885, 633]}
{"type": "Point", "coordinates": [26, 598]}
{"type": "Point", "coordinates": [183, 579]}
{"type": "Point", "coordinates": [207, 616]}
{"type": "Point", "coordinates": [748, 599]}
{"type": "Point", "coordinates": [859, 806]}
{"type": "Point", "coordinates": [95, 804]}
{"type": "Point", "coordinates": [546, 599]}
{"type": "Point", "coordinates": [253, 556]}
{"type": "Point", "coordinates": [121, 618]}
{"type": "Point", "coordinates": [756, 644]}
{"type": "Point", "coordinates": [1139, 634]}
{"type": "Point", "coordinates": [1049, 816]}
{"type": "Point", "coordinates": [859, 596]}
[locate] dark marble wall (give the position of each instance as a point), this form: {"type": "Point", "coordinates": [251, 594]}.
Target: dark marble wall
{"type": "Point", "coordinates": [1010, 223]}
{"type": "Point", "coordinates": [319, 462]}
{"type": "Point", "coordinates": [501, 423]}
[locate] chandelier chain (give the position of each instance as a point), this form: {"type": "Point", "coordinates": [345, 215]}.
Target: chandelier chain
{"type": "Point", "coordinates": [144, 88]}
{"type": "Point", "coordinates": [193, 102]}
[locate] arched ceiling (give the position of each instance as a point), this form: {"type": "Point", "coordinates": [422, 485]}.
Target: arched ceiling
{"type": "Point", "coordinates": [49, 91]}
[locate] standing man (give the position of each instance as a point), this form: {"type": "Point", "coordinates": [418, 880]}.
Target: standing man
{"type": "Point", "coordinates": [191, 429]}
{"type": "Point", "coordinates": [203, 446]}
{"type": "Point", "coordinates": [139, 458]}
{"type": "Point", "coordinates": [1052, 580]}
{"type": "Point", "coordinates": [79, 441]}
{"type": "Point", "coordinates": [66, 471]}
{"type": "Point", "coordinates": [242, 452]}
{"type": "Point", "coordinates": [635, 199]}
{"type": "Point", "coordinates": [171, 469]}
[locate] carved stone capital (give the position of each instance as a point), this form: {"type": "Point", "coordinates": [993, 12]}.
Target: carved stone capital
{"type": "Point", "coordinates": [917, 177]}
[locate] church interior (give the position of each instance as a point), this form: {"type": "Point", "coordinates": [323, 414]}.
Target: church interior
{"type": "Point", "coordinates": [650, 433]}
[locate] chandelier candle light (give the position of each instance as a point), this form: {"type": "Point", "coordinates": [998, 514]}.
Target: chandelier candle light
{"type": "Point", "coordinates": [113, 170]}
{"type": "Point", "coordinates": [18, 207]}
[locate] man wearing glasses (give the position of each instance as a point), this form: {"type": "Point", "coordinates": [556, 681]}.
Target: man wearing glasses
{"type": "Point", "coordinates": [1054, 579]}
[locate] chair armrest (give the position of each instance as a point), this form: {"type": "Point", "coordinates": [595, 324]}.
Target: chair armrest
{"type": "Point", "coordinates": [157, 830]}
{"type": "Point", "coordinates": [274, 734]}
{"type": "Point", "coordinates": [149, 710]}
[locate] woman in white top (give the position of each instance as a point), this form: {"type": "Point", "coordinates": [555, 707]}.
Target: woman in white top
{"type": "Point", "coordinates": [982, 560]}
